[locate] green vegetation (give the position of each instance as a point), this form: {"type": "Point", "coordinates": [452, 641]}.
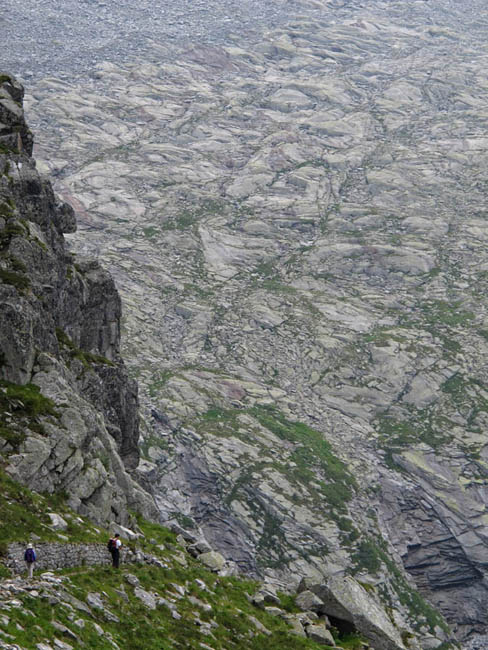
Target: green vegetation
{"type": "Point", "coordinates": [420, 425]}
{"type": "Point", "coordinates": [86, 358]}
{"type": "Point", "coordinates": [17, 265]}
{"type": "Point", "coordinates": [159, 380]}
{"type": "Point", "coordinates": [438, 316]}
{"type": "Point", "coordinates": [151, 232]}
{"type": "Point", "coordinates": [23, 514]}
{"type": "Point", "coordinates": [22, 408]}
{"type": "Point", "coordinates": [441, 312]}
{"type": "Point", "coordinates": [223, 603]}
{"type": "Point", "coordinates": [313, 456]}
{"type": "Point", "coordinates": [311, 465]}
{"type": "Point", "coordinates": [18, 280]}
{"type": "Point", "coordinates": [370, 556]}
{"type": "Point", "coordinates": [191, 216]}
{"type": "Point", "coordinates": [381, 336]}
{"type": "Point", "coordinates": [367, 556]}
{"type": "Point", "coordinates": [199, 597]}
{"type": "Point", "coordinates": [12, 229]}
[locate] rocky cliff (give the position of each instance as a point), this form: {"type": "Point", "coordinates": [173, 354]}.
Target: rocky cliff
{"type": "Point", "coordinates": [68, 411]}
{"type": "Point", "coordinates": [297, 226]}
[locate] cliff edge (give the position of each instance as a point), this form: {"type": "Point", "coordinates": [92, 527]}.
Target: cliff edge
{"type": "Point", "coordinates": [68, 410]}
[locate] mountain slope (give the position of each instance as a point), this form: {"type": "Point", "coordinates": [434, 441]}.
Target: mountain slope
{"type": "Point", "coordinates": [296, 226]}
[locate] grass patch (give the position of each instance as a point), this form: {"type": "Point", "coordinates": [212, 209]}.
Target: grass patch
{"type": "Point", "coordinates": [370, 556]}
{"type": "Point", "coordinates": [86, 358]}
{"type": "Point", "coordinates": [320, 479]}
{"type": "Point", "coordinates": [222, 604]}
{"type": "Point", "coordinates": [18, 280]}
{"type": "Point", "coordinates": [313, 453]}
{"type": "Point", "coordinates": [11, 230]}
{"type": "Point", "coordinates": [313, 456]}
{"type": "Point", "coordinates": [420, 425]}
{"type": "Point", "coordinates": [24, 513]}
{"type": "Point", "coordinates": [22, 408]}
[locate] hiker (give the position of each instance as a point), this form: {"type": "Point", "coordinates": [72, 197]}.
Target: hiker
{"type": "Point", "coordinates": [29, 559]}
{"type": "Point", "coordinates": [114, 545]}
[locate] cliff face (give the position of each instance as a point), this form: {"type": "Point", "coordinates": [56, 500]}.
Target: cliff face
{"type": "Point", "coordinates": [68, 418]}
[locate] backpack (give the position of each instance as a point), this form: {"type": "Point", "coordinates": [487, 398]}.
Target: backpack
{"type": "Point", "coordinates": [29, 555]}
{"type": "Point", "coordinates": [111, 545]}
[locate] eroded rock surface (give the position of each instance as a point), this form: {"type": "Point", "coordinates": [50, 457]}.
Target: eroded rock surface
{"type": "Point", "coordinates": [297, 229]}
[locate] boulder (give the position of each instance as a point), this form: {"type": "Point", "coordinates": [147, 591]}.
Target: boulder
{"type": "Point", "coordinates": [196, 549]}
{"type": "Point", "coordinates": [308, 601]}
{"type": "Point", "coordinates": [212, 560]}
{"type": "Point", "coordinates": [57, 522]}
{"type": "Point", "coordinates": [320, 634]}
{"type": "Point", "coordinates": [148, 599]}
{"type": "Point", "coordinates": [125, 532]}
{"type": "Point", "coordinates": [295, 623]}
{"type": "Point", "coordinates": [346, 599]}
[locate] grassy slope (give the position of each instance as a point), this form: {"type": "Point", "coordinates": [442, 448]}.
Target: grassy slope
{"type": "Point", "coordinates": [24, 513]}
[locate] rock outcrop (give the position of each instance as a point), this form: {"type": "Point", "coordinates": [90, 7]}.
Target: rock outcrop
{"type": "Point", "coordinates": [345, 600]}
{"type": "Point", "coordinates": [69, 418]}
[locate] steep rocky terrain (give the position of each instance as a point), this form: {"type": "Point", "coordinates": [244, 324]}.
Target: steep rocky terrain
{"type": "Point", "coordinates": [68, 411]}
{"type": "Point", "coordinates": [69, 432]}
{"type": "Point", "coordinates": [167, 593]}
{"type": "Point", "coordinates": [296, 224]}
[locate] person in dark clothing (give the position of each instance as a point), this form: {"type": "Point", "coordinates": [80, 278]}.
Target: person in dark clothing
{"type": "Point", "coordinates": [29, 559]}
{"type": "Point", "coordinates": [114, 548]}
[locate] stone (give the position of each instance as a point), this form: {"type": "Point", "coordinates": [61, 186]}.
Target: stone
{"type": "Point", "coordinates": [202, 546]}
{"type": "Point", "coordinates": [95, 601]}
{"type": "Point", "coordinates": [296, 625]}
{"type": "Point", "coordinates": [148, 600]}
{"type": "Point", "coordinates": [320, 634]}
{"type": "Point", "coordinates": [187, 535]}
{"type": "Point", "coordinates": [125, 532]}
{"type": "Point", "coordinates": [346, 599]}
{"type": "Point", "coordinates": [348, 298]}
{"type": "Point", "coordinates": [132, 579]}
{"type": "Point", "coordinates": [179, 557]}
{"type": "Point", "coordinates": [259, 626]}
{"type": "Point", "coordinates": [62, 645]}
{"type": "Point", "coordinates": [199, 603]}
{"type": "Point", "coordinates": [212, 560]}
{"type": "Point", "coordinates": [64, 630]}
{"type": "Point", "coordinates": [57, 522]}
{"type": "Point", "coordinates": [274, 611]}
{"type": "Point", "coordinates": [269, 595]}
{"type": "Point", "coordinates": [98, 629]}
{"type": "Point", "coordinates": [308, 601]}
{"type": "Point", "coordinates": [122, 594]}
